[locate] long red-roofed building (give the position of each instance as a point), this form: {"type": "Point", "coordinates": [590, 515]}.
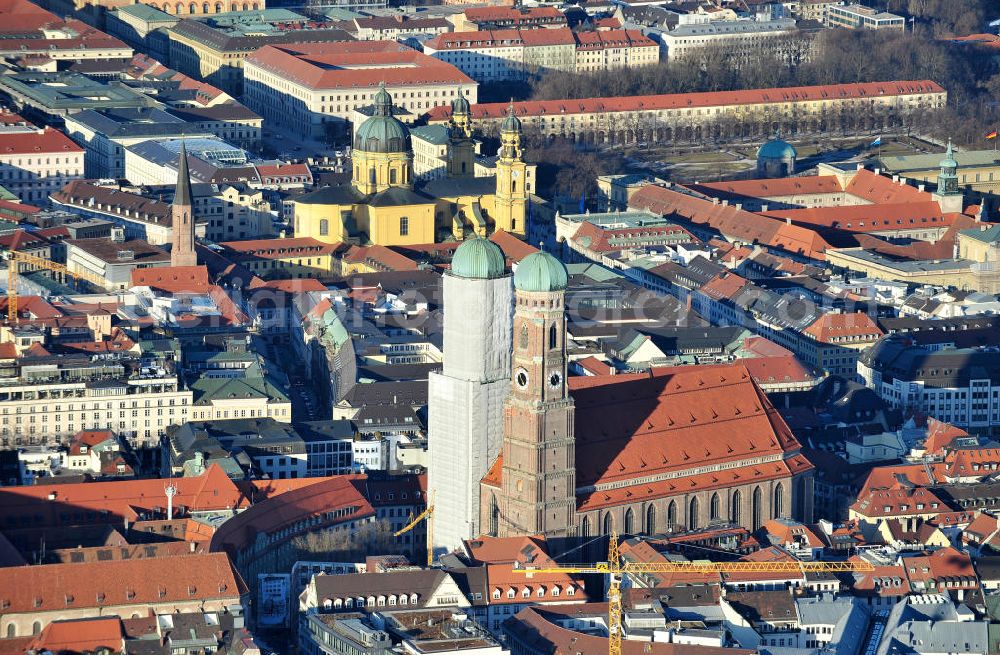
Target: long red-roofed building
{"type": "Point", "coordinates": [492, 55]}
{"type": "Point", "coordinates": [689, 116]}
{"type": "Point", "coordinates": [307, 85]}
{"type": "Point", "coordinates": [34, 596]}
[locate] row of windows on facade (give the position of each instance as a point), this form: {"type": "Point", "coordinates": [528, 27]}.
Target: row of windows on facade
{"type": "Point", "coordinates": [715, 513]}
{"type": "Point", "coordinates": [371, 601]}
{"type": "Point", "coordinates": [528, 592]}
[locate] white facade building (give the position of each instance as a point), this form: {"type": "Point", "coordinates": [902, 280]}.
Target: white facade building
{"type": "Point", "coordinates": [465, 399]}
{"type": "Point", "coordinates": [744, 35]}
{"type": "Point", "coordinates": [35, 164]}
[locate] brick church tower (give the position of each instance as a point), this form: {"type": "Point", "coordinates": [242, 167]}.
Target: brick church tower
{"type": "Point", "coordinates": [182, 251]}
{"type": "Point", "coordinates": [538, 491]}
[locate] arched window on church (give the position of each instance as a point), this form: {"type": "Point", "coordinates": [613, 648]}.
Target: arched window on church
{"type": "Point", "coordinates": [671, 515]}
{"type": "Point", "coordinates": [371, 176]}
{"type": "Point", "coordinates": [513, 186]}
{"type": "Point", "coordinates": [651, 519]}
{"type": "Point", "coordinates": [609, 523]}
{"type": "Point", "coordinates": [585, 527]}
{"type": "Point", "coordinates": [755, 508]}
{"type": "Point", "coordinates": [463, 168]}
{"type": "Point", "coordinates": [713, 508]}
{"type": "Point", "coordinates": [736, 508]}
{"type": "Point", "coordinates": [553, 337]}
{"type": "Point", "coordinates": [693, 514]}
{"type": "Point", "coordinates": [324, 227]}
{"type": "Point", "coordinates": [629, 521]}
{"type": "Point", "coordinates": [778, 506]}
{"type": "Point", "coordinates": [494, 517]}
{"type": "Point", "coordinates": [522, 341]}
{"type": "Point", "coordinates": [392, 176]}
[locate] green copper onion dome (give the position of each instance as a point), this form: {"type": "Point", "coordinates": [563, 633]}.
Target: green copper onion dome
{"type": "Point", "coordinates": [512, 123]}
{"type": "Point", "coordinates": [540, 272]}
{"type": "Point", "coordinates": [382, 132]}
{"type": "Point", "coordinates": [460, 105]}
{"type": "Point", "coordinates": [478, 259]}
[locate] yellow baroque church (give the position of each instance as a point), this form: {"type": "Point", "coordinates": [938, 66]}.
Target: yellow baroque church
{"type": "Point", "coordinates": [382, 206]}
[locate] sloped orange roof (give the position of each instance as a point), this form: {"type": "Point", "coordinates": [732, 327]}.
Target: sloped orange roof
{"type": "Point", "coordinates": [831, 326]}
{"type": "Point", "coordinates": [882, 190]}
{"type": "Point", "coordinates": [380, 257]}
{"type": "Point", "coordinates": [146, 581]}
{"type": "Point", "coordinates": [81, 635]}
{"type": "Point", "coordinates": [734, 223]}
{"type": "Point", "coordinates": [212, 490]}
{"type": "Point", "coordinates": [352, 64]}
{"type": "Point", "coordinates": [513, 248]}
{"type": "Point", "coordinates": [972, 462]}
{"type": "Point", "coordinates": [889, 477]}
{"type": "Point", "coordinates": [173, 279]}
{"type": "Point", "coordinates": [946, 562]}
{"type": "Point", "coordinates": [777, 369]}
{"type": "Point", "coordinates": [899, 502]}
{"type": "Point", "coordinates": [880, 217]}
{"type": "Point", "coordinates": [940, 435]}
{"type": "Point", "coordinates": [725, 285]}
{"type": "Point", "coordinates": [830, 92]}
{"type": "Point", "coordinates": [46, 142]}
{"type": "Point", "coordinates": [771, 188]}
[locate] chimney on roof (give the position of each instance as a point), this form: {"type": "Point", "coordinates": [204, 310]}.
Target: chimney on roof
{"type": "Point", "coordinates": [763, 207]}
{"type": "Point", "coordinates": [170, 492]}
{"type": "Point", "coordinates": [895, 178]}
{"type": "Point", "coordinates": [878, 171]}
{"type": "Point", "coordinates": [715, 201]}
{"type": "Point", "coordinates": [860, 166]}
{"type": "Point", "coordinates": [739, 205]}
{"type": "Point", "coordinates": [920, 187]}
{"type": "Point", "coordinates": [788, 220]}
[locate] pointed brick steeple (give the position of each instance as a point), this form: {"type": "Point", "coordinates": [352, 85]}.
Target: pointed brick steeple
{"type": "Point", "coordinates": [182, 217]}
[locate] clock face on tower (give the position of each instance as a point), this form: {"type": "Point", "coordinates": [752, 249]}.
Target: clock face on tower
{"type": "Point", "coordinates": [521, 378]}
{"type": "Point", "coordinates": [555, 380]}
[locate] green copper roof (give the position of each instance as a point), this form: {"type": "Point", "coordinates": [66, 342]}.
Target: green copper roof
{"type": "Point", "coordinates": [512, 123]}
{"type": "Point", "coordinates": [460, 105]}
{"type": "Point", "coordinates": [382, 132]}
{"type": "Point", "coordinates": [478, 259]}
{"type": "Point", "coordinates": [540, 272]}
{"type": "Point", "coordinates": [949, 158]}
{"type": "Point", "coordinates": [776, 149]}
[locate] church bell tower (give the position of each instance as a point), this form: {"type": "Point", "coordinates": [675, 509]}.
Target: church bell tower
{"type": "Point", "coordinates": [538, 491]}
{"type": "Point", "coordinates": [512, 192]}
{"type": "Point", "coordinates": [462, 148]}
{"type": "Point", "coordinates": [182, 252]}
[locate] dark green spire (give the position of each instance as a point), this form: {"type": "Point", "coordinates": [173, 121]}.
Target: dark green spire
{"type": "Point", "coordinates": [182, 195]}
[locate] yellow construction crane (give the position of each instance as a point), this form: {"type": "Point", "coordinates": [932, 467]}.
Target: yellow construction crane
{"type": "Point", "coordinates": [427, 514]}
{"type": "Point", "coordinates": [16, 258]}
{"type": "Point", "coordinates": [614, 568]}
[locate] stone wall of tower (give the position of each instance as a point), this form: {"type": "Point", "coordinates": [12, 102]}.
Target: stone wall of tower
{"type": "Point", "coordinates": [465, 402]}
